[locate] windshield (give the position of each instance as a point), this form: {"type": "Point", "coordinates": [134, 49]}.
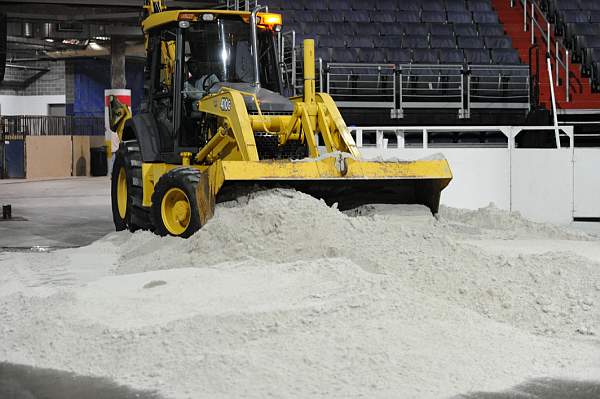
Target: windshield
{"type": "Point", "coordinates": [221, 51]}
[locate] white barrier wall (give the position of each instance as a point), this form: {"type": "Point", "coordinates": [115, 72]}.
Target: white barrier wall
{"type": "Point", "coordinates": [546, 185]}
{"type": "Point", "coordinates": [542, 184]}
{"type": "Point", "coordinates": [28, 105]}
{"type": "Point", "coordinates": [481, 175]}
{"type": "Point", "coordinates": [586, 185]}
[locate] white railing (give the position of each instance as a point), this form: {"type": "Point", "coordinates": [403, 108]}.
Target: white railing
{"type": "Point", "coordinates": [531, 13]}
{"type": "Point", "coordinates": [362, 85]}
{"type": "Point", "coordinates": [378, 136]}
{"type": "Point", "coordinates": [400, 87]}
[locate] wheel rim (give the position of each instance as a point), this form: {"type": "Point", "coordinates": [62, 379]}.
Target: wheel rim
{"type": "Point", "coordinates": [122, 193]}
{"type": "Point", "coordinates": [176, 211]}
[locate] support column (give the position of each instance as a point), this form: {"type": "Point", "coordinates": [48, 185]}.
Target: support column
{"type": "Point", "coordinates": [117, 63]}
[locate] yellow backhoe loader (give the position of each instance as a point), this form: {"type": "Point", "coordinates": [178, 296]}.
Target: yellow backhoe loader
{"type": "Point", "coordinates": [214, 123]}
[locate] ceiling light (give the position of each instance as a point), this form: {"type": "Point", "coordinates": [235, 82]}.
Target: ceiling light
{"type": "Point", "coordinates": [95, 46]}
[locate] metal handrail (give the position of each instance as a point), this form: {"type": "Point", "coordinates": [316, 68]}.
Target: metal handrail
{"type": "Point", "coordinates": [29, 125]}
{"type": "Point", "coordinates": [529, 11]}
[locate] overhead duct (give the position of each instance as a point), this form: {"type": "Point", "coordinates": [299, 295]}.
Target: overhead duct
{"type": "Point", "coordinates": [27, 29]}
{"type": "Point", "coordinates": [47, 30]}
{"type": "Point", "coordinates": [97, 50]}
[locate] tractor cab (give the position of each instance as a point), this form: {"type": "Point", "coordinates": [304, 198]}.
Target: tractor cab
{"type": "Point", "coordinates": [199, 53]}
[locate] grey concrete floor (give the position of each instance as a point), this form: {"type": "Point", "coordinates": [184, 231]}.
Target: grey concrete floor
{"type": "Point", "coordinates": [58, 213]}
{"type": "Point", "coordinates": [543, 388]}
{"type": "Point", "coordinates": [24, 382]}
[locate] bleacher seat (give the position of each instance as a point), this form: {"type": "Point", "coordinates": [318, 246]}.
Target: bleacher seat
{"type": "Point", "coordinates": [361, 5]}
{"type": "Point", "coordinates": [356, 16]}
{"type": "Point", "coordinates": [409, 5]}
{"type": "Point", "coordinates": [505, 56]}
{"type": "Point", "coordinates": [408, 16]}
{"type": "Point", "coordinates": [415, 29]}
{"type": "Point", "coordinates": [446, 42]}
{"type": "Point", "coordinates": [493, 42]}
{"type": "Point", "coordinates": [343, 54]}
{"type": "Point", "coordinates": [491, 30]}
{"type": "Point", "coordinates": [465, 29]}
{"type": "Point", "coordinates": [386, 5]}
{"type": "Point", "coordinates": [460, 17]}
{"type": "Point", "coordinates": [441, 29]}
{"type": "Point", "coordinates": [360, 42]}
{"type": "Point", "coordinates": [424, 56]}
{"type": "Point", "coordinates": [379, 17]}
{"type": "Point", "coordinates": [367, 29]}
{"type": "Point", "coordinates": [451, 56]}
{"type": "Point", "coordinates": [432, 5]}
{"type": "Point", "coordinates": [485, 17]}
{"type": "Point", "coordinates": [477, 56]}
{"type": "Point", "coordinates": [294, 5]}
{"type": "Point", "coordinates": [331, 17]}
{"type": "Point", "coordinates": [334, 5]}
{"type": "Point", "coordinates": [316, 5]}
{"type": "Point", "coordinates": [575, 16]}
{"type": "Point", "coordinates": [391, 29]}
{"type": "Point", "coordinates": [371, 55]}
{"type": "Point", "coordinates": [479, 6]}
{"type": "Point", "coordinates": [397, 55]}
{"type": "Point", "coordinates": [470, 42]}
{"type": "Point", "coordinates": [433, 16]}
{"type": "Point", "coordinates": [595, 17]}
{"type": "Point", "coordinates": [456, 5]}
{"type": "Point", "coordinates": [343, 29]}
{"type": "Point", "coordinates": [317, 29]}
{"type": "Point", "coordinates": [415, 42]}
{"type": "Point", "coordinates": [390, 42]}
{"type": "Point", "coordinates": [588, 44]}
{"type": "Point", "coordinates": [331, 41]}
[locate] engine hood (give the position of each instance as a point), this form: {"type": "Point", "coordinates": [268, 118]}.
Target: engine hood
{"type": "Point", "coordinates": [269, 100]}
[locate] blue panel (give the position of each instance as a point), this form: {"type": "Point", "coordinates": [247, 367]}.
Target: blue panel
{"type": "Point", "coordinates": [92, 77]}
{"type": "Point", "coordinates": [14, 153]}
{"type": "Point", "coordinates": [135, 82]}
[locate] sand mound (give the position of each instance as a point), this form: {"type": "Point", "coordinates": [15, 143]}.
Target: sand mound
{"type": "Point", "coordinates": [493, 221]}
{"type": "Point", "coordinates": [281, 295]}
{"type": "Point", "coordinates": [554, 293]}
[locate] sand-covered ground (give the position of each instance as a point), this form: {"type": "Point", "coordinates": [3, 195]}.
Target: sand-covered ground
{"type": "Point", "coordinates": [282, 296]}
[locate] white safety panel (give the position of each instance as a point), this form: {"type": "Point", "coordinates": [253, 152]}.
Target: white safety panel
{"type": "Point", "coordinates": [542, 184]}
{"type": "Point", "coordinates": [587, 182]}
{"type": "Point", "coordinates": [480, 175]}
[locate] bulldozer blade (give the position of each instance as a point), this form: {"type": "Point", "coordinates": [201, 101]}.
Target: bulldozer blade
{"type": "Point", "coordinates": [351, 193]}
{"type": "Point", "coordinates": [354, 184]}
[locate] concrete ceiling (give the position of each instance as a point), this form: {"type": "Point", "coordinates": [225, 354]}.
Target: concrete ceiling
{"type": "Point", "coordinates": [115, 3]}
{"type": "Point", "coordinates": [78, 21]}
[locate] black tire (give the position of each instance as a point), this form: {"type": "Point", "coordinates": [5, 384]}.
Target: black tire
{"type": "Point", "coordinates": [137, 216]}
{"type": "Point", "coordinates": [187, 180]}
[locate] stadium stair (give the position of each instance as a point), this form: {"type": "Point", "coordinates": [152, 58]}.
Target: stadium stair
{"type": "Point", "coordinates": [581, 95]}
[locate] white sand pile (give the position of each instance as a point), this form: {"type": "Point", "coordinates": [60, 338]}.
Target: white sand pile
{"type": "Point", "coordinates": [280, 295]}
{"type": "Point", "coordinates": [545, 294]}
{"type": "Point", "coordinates": [493, 221]}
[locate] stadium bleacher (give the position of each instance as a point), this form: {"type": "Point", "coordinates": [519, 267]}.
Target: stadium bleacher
{"type": "Point", "coordinates": [443, 50]}
{"type": "Point", "coordinates": [416, 24]}
{"type": "Point", "coordinates": [578, 22]}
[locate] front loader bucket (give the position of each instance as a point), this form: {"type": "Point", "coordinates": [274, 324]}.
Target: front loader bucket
{"type": "Point", "coordinates": [345, 181]}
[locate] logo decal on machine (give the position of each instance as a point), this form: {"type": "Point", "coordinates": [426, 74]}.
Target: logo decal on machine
{"type": "Point", "coordinates": [225, 104]}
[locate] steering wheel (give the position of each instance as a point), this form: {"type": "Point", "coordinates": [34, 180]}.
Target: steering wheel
{"type": "Point", "coordinates": [205, 84]}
